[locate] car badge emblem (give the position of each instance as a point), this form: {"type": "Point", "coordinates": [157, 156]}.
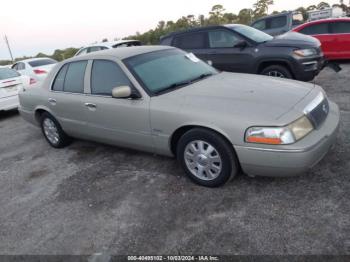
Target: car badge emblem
{"type": "Point", "coordinates": [325, 109]}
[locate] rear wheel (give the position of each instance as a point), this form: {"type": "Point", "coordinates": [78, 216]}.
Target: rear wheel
{"type": "Point", "coordinates": [206, 157]}
{"type": "Point", "coordinates": [277, 71]}
{"type": "Point", "coordinates": [53, 132]}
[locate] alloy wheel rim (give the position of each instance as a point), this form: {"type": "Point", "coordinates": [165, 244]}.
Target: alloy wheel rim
{"type": "Point", "coordinates": [51, 131]}
{"type": "Point", "coordinates": [203, 160]}
{"type": "Point", "coordinates": [276, 74]}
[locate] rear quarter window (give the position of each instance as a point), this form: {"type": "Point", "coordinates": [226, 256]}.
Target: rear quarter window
{"type": "Point", "coordinates": [190, 41]}
{"type": "Point", "coordinates": [261, 25]}
{"type": "Point", "coordinates": [59, 80]}
{"type": "Point", "coordinates": [166, 41]}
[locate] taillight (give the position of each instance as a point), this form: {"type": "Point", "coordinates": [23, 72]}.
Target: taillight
{"type": "Point", "coordinates": [39, 71]}
{"type": "Point", "coordinates": [32, 81]}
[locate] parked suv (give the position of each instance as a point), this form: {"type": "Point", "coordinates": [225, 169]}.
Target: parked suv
{"type": "Point", "coordinates": [240, 48]}
{"type": "Point", "coordinates": [278, 24]}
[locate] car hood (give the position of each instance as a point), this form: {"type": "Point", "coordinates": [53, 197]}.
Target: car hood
{"type": "Point", "coordinates": [257, 97]}
{"type": "Point", "coordinates": [293, 39]}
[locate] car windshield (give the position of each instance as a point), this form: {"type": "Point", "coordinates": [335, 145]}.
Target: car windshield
{"type": "Point", "coordinates": [6, 73]}
{"type": "Point", "coordinates": [252, 33]}
{"type": "Point", "coordinates": [166, 70]}
{"type": "Point", "coordinates": [42, 62]}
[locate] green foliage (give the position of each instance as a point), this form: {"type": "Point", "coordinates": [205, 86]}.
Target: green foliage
{"type": "Point", "coordinates": [58, 55]}
{"type": "Point", "coordinates": [261, 8]}
{"type": "Point", "coordinates": [323, 5]}
{"type": "Point", "coordinates": [303, 11]}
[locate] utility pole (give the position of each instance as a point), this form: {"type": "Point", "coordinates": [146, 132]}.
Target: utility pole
{"type": "Point", "coordinates": [8, 46]}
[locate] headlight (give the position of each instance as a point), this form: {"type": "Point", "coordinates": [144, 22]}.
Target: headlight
{"type": "Point", "coordinates": [305, 52]}
{"type": "Point", "coordinates": [280, 135]}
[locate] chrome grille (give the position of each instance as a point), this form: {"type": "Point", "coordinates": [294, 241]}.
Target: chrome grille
{"type": "Point", "coordinates": [319, 114]}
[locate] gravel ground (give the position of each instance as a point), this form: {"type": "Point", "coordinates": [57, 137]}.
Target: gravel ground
{"type": "Point", "coordinates": [90, 198]}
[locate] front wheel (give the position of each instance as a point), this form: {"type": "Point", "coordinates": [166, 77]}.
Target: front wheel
{"type": "Point", "coordinates": [206, 157]}
{"type": "Point", "coordinates": [277, 71]}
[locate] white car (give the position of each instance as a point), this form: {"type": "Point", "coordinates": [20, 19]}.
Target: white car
{"type": "Point", "coordinates": [107, 45]}
{"type": "Point", "coordinates": [10, 83]}
{"type": "Point", "coordinates": [36, 68]}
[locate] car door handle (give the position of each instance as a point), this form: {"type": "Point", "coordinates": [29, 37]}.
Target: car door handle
{"type": "Point", "coordinates": [90, 105]}
{"type": "Point", "coordinates": [52, 101]}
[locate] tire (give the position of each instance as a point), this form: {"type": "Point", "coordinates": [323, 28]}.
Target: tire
{"type": "Point", "coordinates": [277, 71]}
{"type": "Point", "coordinates": [57, 139]}
{"type": "Point", "coordinates": [198, 151]}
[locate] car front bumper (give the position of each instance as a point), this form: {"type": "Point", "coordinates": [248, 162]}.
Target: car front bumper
{"type": "Point", "coordinates": [9, 103]}
{"type": "Point", "coordinates": [307, 69]}
{"type": "Point", "coordinates": [293, 159]}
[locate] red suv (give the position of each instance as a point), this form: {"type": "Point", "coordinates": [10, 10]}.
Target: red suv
{"type": "Point", "coordinates": [334, 35]}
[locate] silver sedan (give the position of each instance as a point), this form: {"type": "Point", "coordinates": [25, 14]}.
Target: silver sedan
{"type": "Point", "coordinates": [165, 101]}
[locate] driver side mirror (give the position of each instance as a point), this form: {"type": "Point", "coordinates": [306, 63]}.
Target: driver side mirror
{"type": "Point", "coordinates": [125, 92]}
{"type": "Point", "coordinates": [241, 44]}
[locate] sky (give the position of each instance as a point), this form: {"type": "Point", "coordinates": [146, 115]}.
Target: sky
{"type": "Point", "coordinates": [34, 26]}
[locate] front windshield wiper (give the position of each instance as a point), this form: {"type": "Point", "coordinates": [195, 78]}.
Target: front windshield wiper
{"type": "Point", "coordinates": [183, 83]}
{"type": "Point", "coordinates": [173, 86]}
{"type": "Point", "coordinates": [202, 76]}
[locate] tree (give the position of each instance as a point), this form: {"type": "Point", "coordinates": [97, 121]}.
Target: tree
{"type": "Point", "coordinates": [311, 7]}
{"type": "Point", "coordinates": [245, 16]}
{"type": "Point", "coordinates": [104, 40]}
{"type": "Point", "coordinates": [216, 15]}
{"type": "Point", "coordinates": [41, 55]}
{"type": "Point", "coordinates": [201, 20]}
{"type": "Point", "coordinates": [261, 8]}
{"type": "Point", "coordinates": [303, 11]}
{"type": "Point", "coordinates": [230, 18]}
{"type": "Point", "coordinates": [323, 5]}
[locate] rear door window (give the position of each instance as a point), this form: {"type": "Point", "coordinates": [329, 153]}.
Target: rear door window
{"type": "Point", "coordinates": [316, 29]}
{"type": "Point", "coordinates": [71, 78]}
{"type": "Point", "coordinates": [74, 81]}
{"type": "Point", "coordinates": [105, 76]}
{"type": "Point", "coordinates": [277, 22]}
{"type": "Point", "coordinates": [340, 27]}
{"type": "Point", "coordinates": [222, 39]}
{"type": "Point", "coordinates": [191, 41]}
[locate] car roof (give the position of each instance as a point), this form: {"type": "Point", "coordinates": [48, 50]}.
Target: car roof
{"type": "Point", "coordinates": [111, 44]}
{"type": "Point", "coordinates": [195, 29]}
{"type": "Point", "coordinates": [33, 59]}
{"type": "Point", "coordinates": [121, 53]}
{"type": "Point", "coordinates": [320, 21]}
{"type": "Point", "coordinates": [273, 16]}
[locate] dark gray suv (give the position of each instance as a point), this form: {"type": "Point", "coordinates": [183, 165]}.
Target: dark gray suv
{"type": "Point", "coordinates": [240, 48]}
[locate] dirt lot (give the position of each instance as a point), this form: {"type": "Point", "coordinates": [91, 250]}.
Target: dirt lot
{"type": "Point", "coordinates": [91, 198]}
